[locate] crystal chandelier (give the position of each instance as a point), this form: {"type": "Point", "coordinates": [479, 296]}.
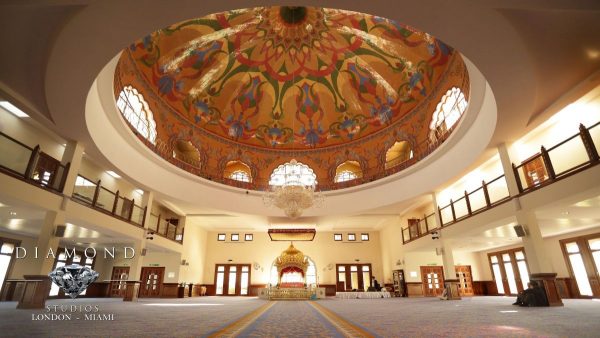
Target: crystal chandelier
{"type": "Point", "coordinates": [293, 189]}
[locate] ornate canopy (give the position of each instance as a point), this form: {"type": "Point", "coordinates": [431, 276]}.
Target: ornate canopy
{"type": "Point", "coordinates": [291, 258]}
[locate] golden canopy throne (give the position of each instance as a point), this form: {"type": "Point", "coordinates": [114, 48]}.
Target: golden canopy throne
{"type": "Point", "coordinates": [291, 268]}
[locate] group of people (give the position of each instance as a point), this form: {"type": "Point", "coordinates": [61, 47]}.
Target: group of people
{"type": "Point", "coordinates": [534, 295]}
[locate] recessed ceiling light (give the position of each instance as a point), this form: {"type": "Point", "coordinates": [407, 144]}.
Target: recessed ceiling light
{"type": "Point", "coordinates": [113, 174]}
{"type": "Point", "coordinates": [593, 53]}
{"type": "Point", "coordinates": [139, 191]}
{"type": "Point", "coordinates": [12, 109]}
{"type": "Point", "coordinates": [12, 213]}
{"type": "Point", "coordinates": [565, 212]}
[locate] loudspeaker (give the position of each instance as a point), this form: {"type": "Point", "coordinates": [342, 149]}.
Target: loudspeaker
{"type": "Point", "coordinates": [520, 230]}
{"type": "Point", "coordinates": [144, 252]}
{"type": "Point", "coordinates": [439, 251]}
{"type": "Point", "coordinates": [435, 235]}
{"type": "Point", "coordinates": [60, 231]}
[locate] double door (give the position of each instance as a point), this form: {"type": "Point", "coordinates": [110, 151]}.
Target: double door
{"type": "Point", "coordinates": [120, 274]}
{"type": "Point", "coordinates": [583, 258]}
{"type": "Point", "coordinates": [433, 280]}
{"type": "Point", "coordinates": [152, 280]}
{"type": "Point", "coordinates": [232, 279]}
{"type": "Point", "coordinates": [354, 277]}
{"type": "Point", "coordinates": [465, 280]}
{"type": "Point", "coordinates": [510, 271]}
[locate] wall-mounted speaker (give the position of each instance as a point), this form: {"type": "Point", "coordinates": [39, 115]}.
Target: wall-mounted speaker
{"type": "Point", "coordinates": [520, 230]}
{"type": "Point", "coordinates": [144, 252]}
{"type": "Point", "coordinates": [60, 231]}
{"type": "Point", "coordinates": [439, 251]}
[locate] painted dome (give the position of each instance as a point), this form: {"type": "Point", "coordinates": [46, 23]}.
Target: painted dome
{"type": "Point", "coordinates": [272, 83]}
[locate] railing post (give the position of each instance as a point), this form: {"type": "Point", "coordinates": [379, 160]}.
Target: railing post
{"type": "Point", "coordinates": [486, 194]}
{"type": "Point", "coordinates": [426, 224]}
{"type": "Point", "coordinates": [32, 162]}
{"type": "Point", "coordinates": [64, 176]}
{"type": "Point", "coordinates": [144, 217]}
{"type": "Point", "coordinates": [441, 219]}
{"type": "Point", "coordinates": [182, 234]}
{"type": "Point", "coordinates": [453, 212]}
{"type": "Point", "coordinates": [96, 193]}
{"type": "Point", "coordinates": [114, 208]}
{"type": "Point", "coordinates": [468, 203]}
{"type": "Point", "coordinates": [548, 163]}
{"type": "Point", "coordinates": [518, 178]}
{"type": "Point", "coordinates": [588, 143]}
{"type": "Point", "coordinates": [403, 240]}
{"type": "Point", "coordinates": [131, 209]}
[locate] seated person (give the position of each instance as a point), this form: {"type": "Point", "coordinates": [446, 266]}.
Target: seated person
{"type": "Point", "coordinates": [375, 284]}
{"type": "Point", "coordinates": [534, 295]}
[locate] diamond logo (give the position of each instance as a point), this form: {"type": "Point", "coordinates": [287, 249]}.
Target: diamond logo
{"type": "Point", "coordinates": [73, 279]}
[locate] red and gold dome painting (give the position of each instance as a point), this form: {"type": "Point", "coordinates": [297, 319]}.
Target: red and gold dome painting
{"type": "Point", "coordinates": [289, 78]}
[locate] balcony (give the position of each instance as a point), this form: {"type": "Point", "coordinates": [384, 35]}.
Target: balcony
{"type": "Point", "coordinates": [31, 165]}
{"type": "Point", "coordinates": [167, 228]}
{"type": "Point", "coordinates": [569, 157]}
{"type": "Point", "coordinates": [94, 195]}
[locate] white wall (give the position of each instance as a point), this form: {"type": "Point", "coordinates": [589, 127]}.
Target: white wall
{"type": "Point", "coordinates": [323, 250]}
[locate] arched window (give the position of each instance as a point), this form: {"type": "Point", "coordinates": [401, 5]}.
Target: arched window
{"type": "Point", "coordinates": [186, 152]}
{"type": "Point", "coordinates": [135, 109]}
{"type": "Point", "coordinates": [397, 154]}
{"type": "Point", "coordinates": [293, 173]}
{"type": "Point", "coordinates": [347, 171]}
{"type": "Point", "coordinates": [238, 171]}
{"type": "Point", "coordinates": [239, 175]}
{"type": "Point", "coordinates": [452, 105]}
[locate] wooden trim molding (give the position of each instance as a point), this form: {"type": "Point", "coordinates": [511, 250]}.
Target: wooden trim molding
{"type": "Point", "coordinates": [414, 289]}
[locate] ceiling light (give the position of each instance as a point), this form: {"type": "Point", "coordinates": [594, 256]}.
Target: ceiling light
{"type": "Point", "coordinates": [14, 110]}
{"type": "Point", "coordinates": [593, 53]}
{"type": "Point", "coordinates": [113, 174]}
{"type": "Point", "coordinates": [12, 213]}
{"type": "Point", "coordinates": [139, 191]}
{"type": "Point", "coordinates": [565, 212]}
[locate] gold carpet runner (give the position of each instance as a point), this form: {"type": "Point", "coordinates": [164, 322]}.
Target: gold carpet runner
{"type": "Point", "coordinates": [345, 328]}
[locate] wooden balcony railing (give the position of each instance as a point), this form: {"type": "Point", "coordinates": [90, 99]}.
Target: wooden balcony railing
{"type": "Point", "coordinates": [94, 195]}
{"type": "Point", "coordinates": [166, 228]}
{"type": "Point", "coordinates": [424, 226]}
{"type": "Point", "coordinates": [564, 159]}
{"type": "Point", "coordinates": [31, 164]}
{"type": "Point", "coordinates": [573, 155]}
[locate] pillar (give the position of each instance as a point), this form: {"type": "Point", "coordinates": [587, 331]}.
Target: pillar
{"type": "Point", "coordinates": [73, 155]}
{"type": "Point", "coordinates": [37, 284]}
{"type": "Point", "coordinates": [438, 218]}
{"type": "Point", "coordinates": [147, 201]}
{"type": "Point", "coordinates": [132, 285]}
{"type": "Point", "coordinates": [507, 168]}
{"type": "Point", "coordinates": [450, 280]}
{"type": "Point", "coordinates": [540, 266]}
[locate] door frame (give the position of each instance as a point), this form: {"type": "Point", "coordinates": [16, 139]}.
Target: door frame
{"type": "Point", "coordinates": [238, 279]}
{"type": "Point", "coordinates": [160, 286]}
{"type": "Point", "coordinates": [112, 284]}
{"type": "Point", "coordinates": [424, 281]}
{"type": "Point", "coordinates": [347, 275]}
{"type": "Point", "coordinates": [588, 262]}
{"type": "Point", "coordinates": [515, 267]}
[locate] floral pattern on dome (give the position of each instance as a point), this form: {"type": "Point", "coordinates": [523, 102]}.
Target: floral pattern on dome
{"type": "Point", "coordinates": [295, 78]}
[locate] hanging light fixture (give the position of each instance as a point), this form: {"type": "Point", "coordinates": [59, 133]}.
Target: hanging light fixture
{"type": "Point", "coordinates": [293, 189]}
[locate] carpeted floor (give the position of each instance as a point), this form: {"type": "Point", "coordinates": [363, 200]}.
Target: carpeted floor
{"type": "Point", "coordinates": [251, 317]}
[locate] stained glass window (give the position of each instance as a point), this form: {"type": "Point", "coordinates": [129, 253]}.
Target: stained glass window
{"type": "Point", "coordinates": [135, 109]}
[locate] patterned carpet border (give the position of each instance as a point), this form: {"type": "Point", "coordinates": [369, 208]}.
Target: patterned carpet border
{"type": "Point", "coordinates": [234, 328]}
{"type": "Point", "coordinates": [346, 328]}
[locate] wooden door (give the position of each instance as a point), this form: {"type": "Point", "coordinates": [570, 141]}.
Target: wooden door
{"type": "Point", "coordinates": [117, 285]}
{"type": "Point", "coordinates": [152, 279]}
{"type": "Point", "coordinates": [232, 279]}
{"type": "Point", "coordinates": [535, 170]}
{"type": "Point", "coordinates": [465, 280]}
{"type": "Point", "coordinates": [433, 280]}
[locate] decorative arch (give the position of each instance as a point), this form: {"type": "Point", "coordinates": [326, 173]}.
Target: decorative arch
{"type": "Point", "coordinates": [347, 171]}
{"type": "Point", "coordinates": [310, 276]}
{"type": "Point", "coordinates": [238, 171]}
{"type": "Point", "coordinates": [399, 152]}
{"type": "Point", "coordinates": [448, 111]}
{"type": "Point", "coordinates": [136, 111]}
{"type": "Point", "coordinates": [293, 173]}
{"type": "Point", "coordinates": [185, 151]}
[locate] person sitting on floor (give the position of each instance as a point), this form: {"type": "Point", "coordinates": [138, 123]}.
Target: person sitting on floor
{"type": "Point", "coordinates": [534, 295]}
{"type": "Point", "coordinates": [375, 284]}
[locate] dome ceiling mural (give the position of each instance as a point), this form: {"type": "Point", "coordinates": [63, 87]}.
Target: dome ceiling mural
{"type": "Point", "coordinates": [290, 78]}
{"type": "Point", "coordinates": [232, 96]}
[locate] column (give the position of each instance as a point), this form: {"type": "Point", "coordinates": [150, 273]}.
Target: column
{"type": "Point", "coordinates": [436, 210]}
{"type": "Point", "coordinates": [450, 280]}
{"type": "Point", "coordinates": [540, 266]}
{"type": "Point", "coordinates": [37, 285]}
{"type": "Point", "coordinates": [147, 200]}
{"type": "Point", "coordinates": [135, 269]}
{"type": "Point", "coordinates": [511, 180]}
{"type": "Point", "coordinates": [73, 155]}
